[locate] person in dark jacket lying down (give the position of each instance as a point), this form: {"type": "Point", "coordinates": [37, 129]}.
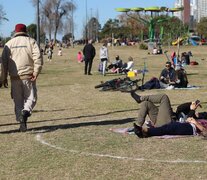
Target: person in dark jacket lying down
{"type": "Point", "coordinates": [190, 127]}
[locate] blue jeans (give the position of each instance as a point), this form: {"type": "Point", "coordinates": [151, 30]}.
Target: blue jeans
{"type": "Point", "coordinates": [173, 128]}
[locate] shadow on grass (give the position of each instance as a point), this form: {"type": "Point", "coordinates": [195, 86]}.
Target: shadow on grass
{"type": "Point", "coordinates": [51, 128]}
{"type": "Point", "coordinates": [68, 118]}
{"type": "Point", "coordinates": [192, 74]}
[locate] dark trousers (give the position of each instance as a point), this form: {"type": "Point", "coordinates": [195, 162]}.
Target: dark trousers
{"type": "Point", "coordinates": [88, 65]}
{"type": "Point", "coordinates": [174, 128]}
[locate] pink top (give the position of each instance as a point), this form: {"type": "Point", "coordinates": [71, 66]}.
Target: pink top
{"type": "Point", "coordinates": [79, 57]}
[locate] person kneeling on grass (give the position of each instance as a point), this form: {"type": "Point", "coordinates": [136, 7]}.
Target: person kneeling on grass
{"type": "Point", "coordinates": [190, 127]}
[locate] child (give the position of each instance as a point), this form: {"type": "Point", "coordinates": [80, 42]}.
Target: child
{"type": "Point", "coordinates": [80, 57]}
{"type": "Point", "coordinates": [49, 54]}
{"type": "Point", "coordinates": [60, 52]}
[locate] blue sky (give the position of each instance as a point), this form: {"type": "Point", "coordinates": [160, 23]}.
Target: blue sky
{"type": "Point", "coordinates": [22, 11]}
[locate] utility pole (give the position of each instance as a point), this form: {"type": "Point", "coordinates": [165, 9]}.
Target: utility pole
{"type": "Point", "coordinates": [72, 25]}
{"type": "Point", "coordinates": [38, 23]}
{"type": "Point", "coordinates": [86, 28]}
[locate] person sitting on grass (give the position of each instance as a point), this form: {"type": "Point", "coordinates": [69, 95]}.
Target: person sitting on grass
{"type": "Point", "coordinates": [190, 127]}
{"type": "Point", "coordinates": [167, 76]}
{"type": "Point", "coordinates": [128, 66]}
{"type": "Point", "coordinates": [115, 65]}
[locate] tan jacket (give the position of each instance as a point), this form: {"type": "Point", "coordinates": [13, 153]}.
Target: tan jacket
{"type": "Point", "coordinates": [21, 57]}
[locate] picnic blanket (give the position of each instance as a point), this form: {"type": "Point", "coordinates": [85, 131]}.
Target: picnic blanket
{"type": "Point", "coordinates": [130, 131]}
{"type": "Point", "coordinates": [189, 87]}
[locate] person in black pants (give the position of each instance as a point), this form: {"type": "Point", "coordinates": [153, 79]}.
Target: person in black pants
{"type": "Point", "coordinates": [190, 127]}
{"type": "Point", "coordinates": [89, 53]}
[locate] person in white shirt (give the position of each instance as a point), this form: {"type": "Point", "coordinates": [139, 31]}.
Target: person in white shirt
{"type": "Point", "coordinates": [129, 65]}
{"type": "Point", "coordinates": [104, 57]}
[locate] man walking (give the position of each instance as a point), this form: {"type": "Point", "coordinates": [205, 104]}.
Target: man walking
{"type": "Point", "coordinates": [89, 53]}
{"type": "Point", "coordinates": [22, 60]}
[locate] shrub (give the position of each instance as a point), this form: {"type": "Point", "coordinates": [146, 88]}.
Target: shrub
{"type": "Point", "coordinates": [143, 46]}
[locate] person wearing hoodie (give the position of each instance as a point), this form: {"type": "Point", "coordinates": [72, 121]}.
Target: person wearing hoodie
{"type": "Point", "coordinates": [22, 60]}
{"type": "Point", "coordinates": [104, 58]}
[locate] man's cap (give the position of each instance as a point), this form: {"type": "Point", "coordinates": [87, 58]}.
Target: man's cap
{"type": "Point", "coordinates": [198, 103]}
{"type": "Point", "coordinates": [20, 28]}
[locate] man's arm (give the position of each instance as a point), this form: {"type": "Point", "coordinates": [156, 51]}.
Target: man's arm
{"type": "Point", "coordinates": [197, 124]}
{"type": "Point", "coordinates": [38, 61]}
{"type": "Point", "coordinates": [5, 60]}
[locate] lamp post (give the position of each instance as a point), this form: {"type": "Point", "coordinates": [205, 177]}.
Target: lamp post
{"type": "Point", "coordinates": [72, 25]}
{"type": "Point", "coordinates": [86, 28]}
{"type": "Point", "coordinates": [38, 23]}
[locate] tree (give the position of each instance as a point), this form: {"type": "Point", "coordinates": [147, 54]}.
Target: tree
{"type": "Point", "coordinates": [202, 27]}
{"type": "Point", "coordinates": [66, 38]}
{"type": "Point", "coordinates": [93, 28]}
{"type": "Point", "coordinates": [112, 26]}
{"type": "Point", "coordinates": [2, 14]}
{"type": "Point", "coordinates": [54, 11]}
{"type": "Point", "coordinates": [31, 30]}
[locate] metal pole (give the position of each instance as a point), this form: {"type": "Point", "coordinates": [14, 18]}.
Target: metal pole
{"type": "Point", "coordinates": [72, 26]}
{"type": "Point", "coordinates": [86, 22]}
{"type": "Point", "coordinates": [38, 23]}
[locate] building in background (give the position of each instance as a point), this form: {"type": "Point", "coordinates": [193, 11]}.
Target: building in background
{"type": "Point", "coordinates": [201, 9]}
{"type": "Point", "coordinates": [193, 10]}
{"type": "Point", "coordinates": [184, 15]}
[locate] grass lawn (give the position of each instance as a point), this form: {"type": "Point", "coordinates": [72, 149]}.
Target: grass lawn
{"type": "Point", "coordinates": [68, 133]}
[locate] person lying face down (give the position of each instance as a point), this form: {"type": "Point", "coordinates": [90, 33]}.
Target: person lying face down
{"type": "Point", "coordinates": [190, 127]}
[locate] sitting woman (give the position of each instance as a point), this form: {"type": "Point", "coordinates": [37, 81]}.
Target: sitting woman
{"type": "Point", "coordinates": [181, 74]}
{"type": "Point", "coordinates": [116, 65]}
{"type": "Point", "coordinates": [128, 66]}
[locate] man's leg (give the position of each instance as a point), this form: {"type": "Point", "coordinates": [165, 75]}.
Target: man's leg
{"type": "Point", "coordinates": [164, 115]}
{"type": "Point", "coordinates": [174, 128]}
{"type": "Point", "coordinates": [86, 66]}
{"type": "Point", "coordinates": [30, 95]}
{"type": "Point", "coordinates": [147, 108]}
{"type": "Point", "coordinates": [90, 66]}
{"type": "Point", "coordinates": [17, 94]}
{"type": "Point", "coordinates": [104, 67]}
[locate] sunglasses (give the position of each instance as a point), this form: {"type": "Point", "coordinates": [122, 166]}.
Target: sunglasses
{"type": "Point", "coordinates": [167, 65]}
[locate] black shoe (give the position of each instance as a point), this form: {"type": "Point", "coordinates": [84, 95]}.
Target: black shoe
{"type": "Point", "coordinates": [136, 97]}
{"type": "Point", "coordinates": [89, 74]}
{"type": "Point", "coordinates": [23, 120]}
{"type": "Point", "coordinates": [23, 124]}
{"type": "Point", "coordinates": [138, 131]}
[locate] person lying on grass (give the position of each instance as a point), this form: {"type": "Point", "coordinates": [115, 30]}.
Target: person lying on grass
{"type": "Point", "coordinates": [158, 108]}
{"type": "Point", "coordinates": [189, 127]}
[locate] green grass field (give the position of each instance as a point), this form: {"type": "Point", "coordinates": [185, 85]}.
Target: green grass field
{"type": "Point", "coordinates": [68, 133]}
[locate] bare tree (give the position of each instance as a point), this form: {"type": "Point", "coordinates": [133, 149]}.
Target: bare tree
{"type": "Point", "coordinates": [54, 11]}
{"type": "Point", "coordinates": [2, 14]}
{"type": "Point", "coordinates": [47, 18]}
